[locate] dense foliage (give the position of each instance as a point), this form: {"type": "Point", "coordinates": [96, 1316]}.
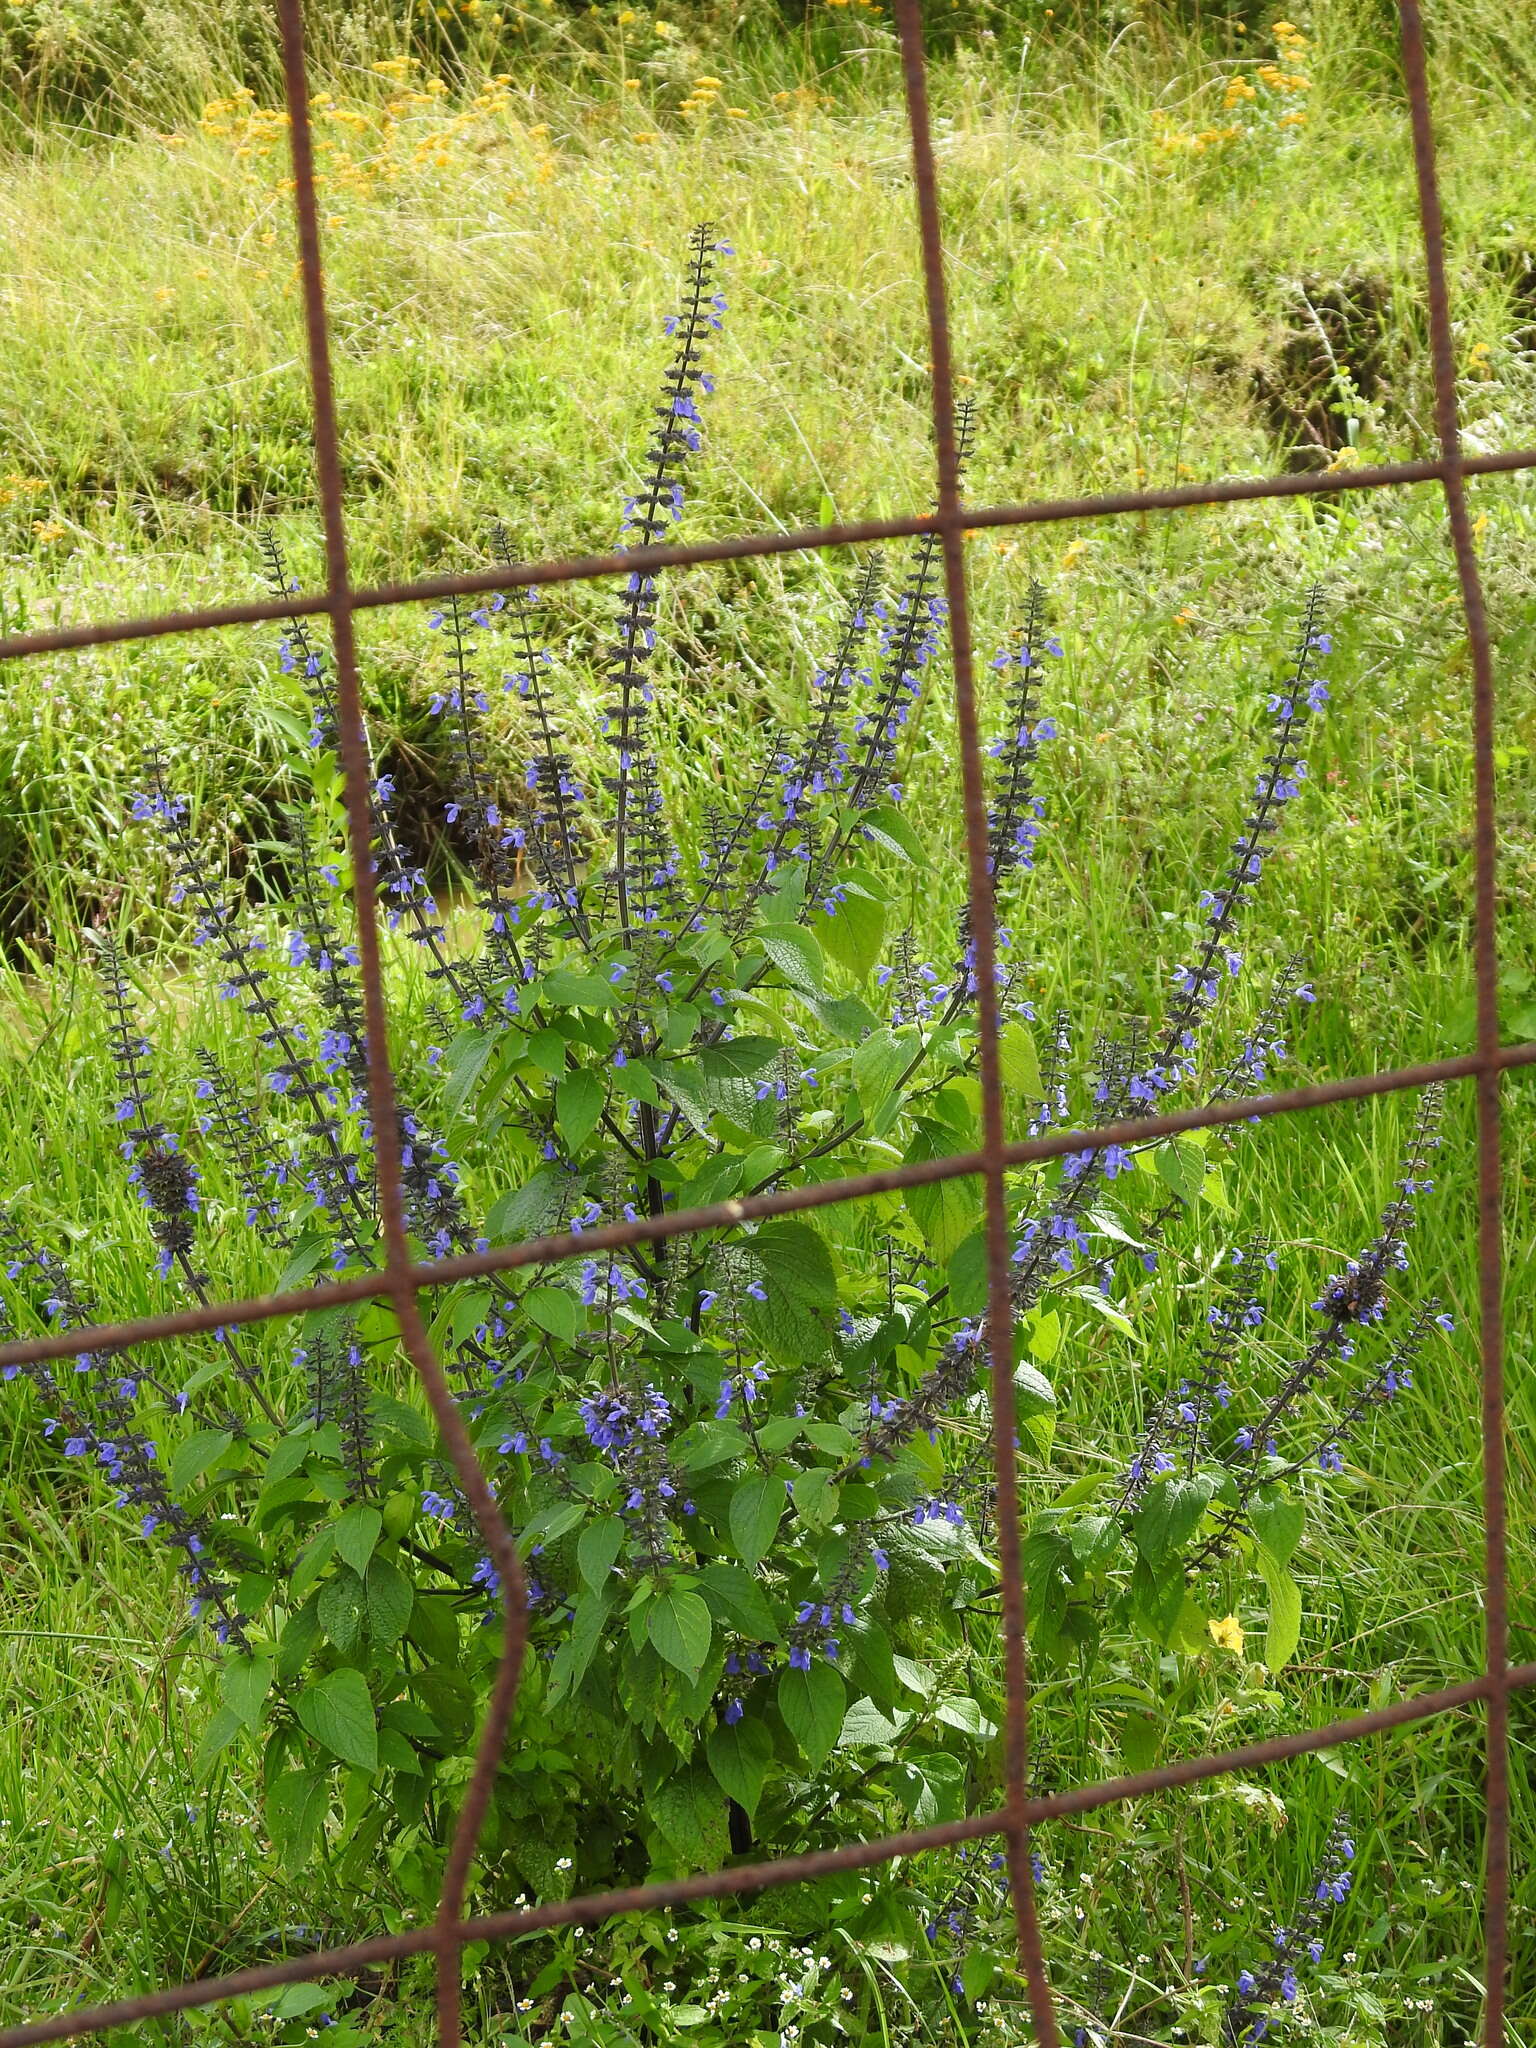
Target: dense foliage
{"type": "Point", "coordinates": [750, 1471]}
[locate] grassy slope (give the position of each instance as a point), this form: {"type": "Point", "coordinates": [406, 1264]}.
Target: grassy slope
{"type": "Point", "coordinates": [482, 372]}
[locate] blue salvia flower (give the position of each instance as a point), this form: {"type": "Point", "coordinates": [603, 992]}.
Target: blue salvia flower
{"type": "Point", "coordinates": [648, 517]}
{"type": "Point", "coordinates": [1198, 986]}
{"type": "Point", "coordinates": [1275, 1981]}
{"type": "Point", "coordinates": [1014, 818]}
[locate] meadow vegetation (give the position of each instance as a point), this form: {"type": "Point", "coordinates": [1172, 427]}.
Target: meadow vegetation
{"type": "Point", "coordinates": [1177, 250]}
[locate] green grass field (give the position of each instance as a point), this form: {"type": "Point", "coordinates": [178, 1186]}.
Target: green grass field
{"type": "Point", "coordinates": [1136, 295]}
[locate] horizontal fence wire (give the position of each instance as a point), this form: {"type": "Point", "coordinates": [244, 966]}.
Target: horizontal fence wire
{"type": "Point", "coordinates": [401, 1279]}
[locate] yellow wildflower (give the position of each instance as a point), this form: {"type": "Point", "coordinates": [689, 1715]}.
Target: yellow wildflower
{"type": "Point", "coordinates": [663, 29]}
{"type": "Point", "coordinates": [631, 85]}
{"type": "Point", "coordinates": [1227, 1634]}
{"type": "Point", "coordinates": [49, 529]}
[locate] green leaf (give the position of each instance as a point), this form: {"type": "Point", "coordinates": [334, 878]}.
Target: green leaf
{"type": "Point", "coordinates": [679, 1626]}
{"type": "Point", "coordinates": [1284, 1631]}
{"type": "Point", "coordinates": [597, 1548]}
{"type": "Point", "coordinates": [307, 1254]}
{"type": "Point", "coordinates": [864, 1726]}
{"type": "Point", "coordinates": [388, 1597]}
{"type": "Point", "coordinates": [739, 1756]}
{"type": "Point", "coordinates": [1045, 1336]}
{"type": "Point", "coordinates": [756, 1506]}
{"type": "Point", "coordinates": [217, 1736]}
{"type": "Point", "coordinates": [878, 1065]}
{"type": "Point", "coordinates": [1182, 1166]}
{"type": "Point", "coordinates": [526, 1211]}
{"type": "Point", "coordinates": [1277, 1522]}
{"type": "Point", "coordinates": [553, 1310]}
{"type": "Point", "coordinates": [296, 1802]}
{"type": "Point", "coordinates": [816, 1497]}
{"type": "Point", "coordinates": [855, 932]}
{"type": "Point", "coordinates": [795, 1260]}
{"type": "Point", "coordinates": [813, 1703]}
{"type": "Point", "coordinates": [547, 1049]}
{"type": "Point", "coordinates": [579, 1099]}
{"type": "Point", "coordinates": [1170, 1512]}
{"type": "Point", "coordinates": [356, 1534]}
{"type": "Point", "coordinates": [691, 1815]}
{"type": "Point", "coordinates": [738, 1059]}
{"type": "Point", "coordinates": [964, 1713]}
{"type": "Point", "coordinates": [891, 830]}
{"type": "Point", "coordinates": [931, 1788]}
{"type": "Point", "coordinates": [968, 1275]}
{"type": "Point", "coordinates": [339, 1715]}
{"type": "Point", "coordinates": [341, 1610]}
{"type": "Point", "coordinates": [945, 1211]}
{"type": "Point", "coordinates": [244, 1684]}
{"type": "Point", "coordinates": [576, 1652]}
{"type": "Point", "coordinates": [737, 1598]}
{"type": "Point", "coordinates": [683, 1083]}
{"type": "Point", "coordinates": [567, 988]}
{"type": "Point", "coordinates": [1018, 1059]}
{"type": "Point", "coordinates": [796, 955]}
{"type": "Point", "coordinates": [193, 1458]}
{"type": "Point", "coordinates": [465, 1063]}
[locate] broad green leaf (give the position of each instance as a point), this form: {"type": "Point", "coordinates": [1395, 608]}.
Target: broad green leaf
{"type": "Point", "coordinates": [296, 1802]}
{"type": "Point", "coordinates": [756, 1506]}
{"type": "Point", "coordinates": [1018, 1059]}
{"type": "Point", "coordinates": [864, 1726]}
{"type": "Point", "coordinates": [945, 1211]}
{"type": "Point", "coordinates": [684, 1084]}
{"type": "Point", "coordinates": [1284, 1631]}
{"type": "Point", "coordinates": [1045, 1336]}
{"type": "Point", "coordinates": [931, 1788]}
{"type": "Point", "coordinates": [465, 1063]}
{"type": "Point", "coordinates": [356, 1534]}
{"type": "Point", "coordinates": [878, 1065]}
{"type": "Point", "coordinates": [217, 1736]}
{"type": "Point", "coordinates": [197, 1455]}
{"type": "Point", "coordinates": [679, 1626]}
{"type": "Point", "coordinates": [553, 1310]}
{"type": "Point", "coordinates": [339, 1715]}
{"type": "Point", "coordinates": [1277, 1522]}
{"type": "Point", "coordinates": [1170, 1512]}
{"type": "Point", "coordinates": [597, 1548]}
{"type": "Point", "coordinates": [1182, 1166]}
{"type": "Point", "coordinates": [816, 1497]}
{"type": "Point", "coordinates": [968, 1275]}
{"type": "Point", "coordinates": [244, 1684]}
{"type": "Point", "coordinates": [795, 953]}
{"type": "Point", "coordinates": [813, 1704]}
{"type": "Point", "coordinates": [738, 1058]}
{"type": "Point", "coordinates": [964, 1713]}
{"type": "Point", "coordinates": [690, 1813]}
{"type": "Point", "coordinates": [528, 1211]}
{"type": "Point", "coordinates": [576, 1652]}
{"type": "Point", "coordinates": [579, 1099]}
{"type": "Point", "coordinates": [795, 1259]}
{"type": "Point", "coordinates": [341, 1610]}
{"type": "Point", "coordinates": [737, 1599]}
{"type": "Point", "coordinates": [891, 829]}
{"type": "Point", "coordinates": [739, 1756]}
{"type": "Point", "coordinates": [569, 988]}
{"type": "Point", "coordinates": [388, 1597]}
{"type": "Point", "coordinates": [854, 933]}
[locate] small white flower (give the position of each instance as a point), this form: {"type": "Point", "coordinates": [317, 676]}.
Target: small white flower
{"type": "Point", "coordinates": [562, 1863]}
{"type": "Point", "coordinates": [755, 1942]}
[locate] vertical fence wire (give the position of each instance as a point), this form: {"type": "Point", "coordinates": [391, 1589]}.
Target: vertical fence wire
{"type": "Point", "coordinates": [402, 1278]}
{"type": "Point", "coordinates": [1490, 1223]}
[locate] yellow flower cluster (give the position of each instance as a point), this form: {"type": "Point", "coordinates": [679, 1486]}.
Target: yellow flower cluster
{"type": "Point", "coordinates": [49, 529]}
{"type": "Point", "coordinates": [872, 5]}
{"type": "Point", "coordinates": [1189, 143]}
{"type": "Point", "coordinates": [364, 143]}
{"type": "Point", "coordinates": [1275, 88]}
{"type": "Point", "coordinates": [14, 485]}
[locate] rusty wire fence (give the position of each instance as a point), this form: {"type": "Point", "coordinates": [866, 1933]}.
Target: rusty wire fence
{"type": "Point", "coordinates": [403, 1279]}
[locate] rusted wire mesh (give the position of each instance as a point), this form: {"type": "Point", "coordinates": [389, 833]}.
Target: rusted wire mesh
{"type": "Point", "coordinates": [403, 1279]}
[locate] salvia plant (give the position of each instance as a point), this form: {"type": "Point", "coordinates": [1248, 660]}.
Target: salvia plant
{"type": "Point", "coordinates": [749, 1471]}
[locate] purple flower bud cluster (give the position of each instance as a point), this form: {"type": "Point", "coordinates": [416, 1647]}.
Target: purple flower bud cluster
{"type": "Point", "coordinates": [1275, 1982]}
